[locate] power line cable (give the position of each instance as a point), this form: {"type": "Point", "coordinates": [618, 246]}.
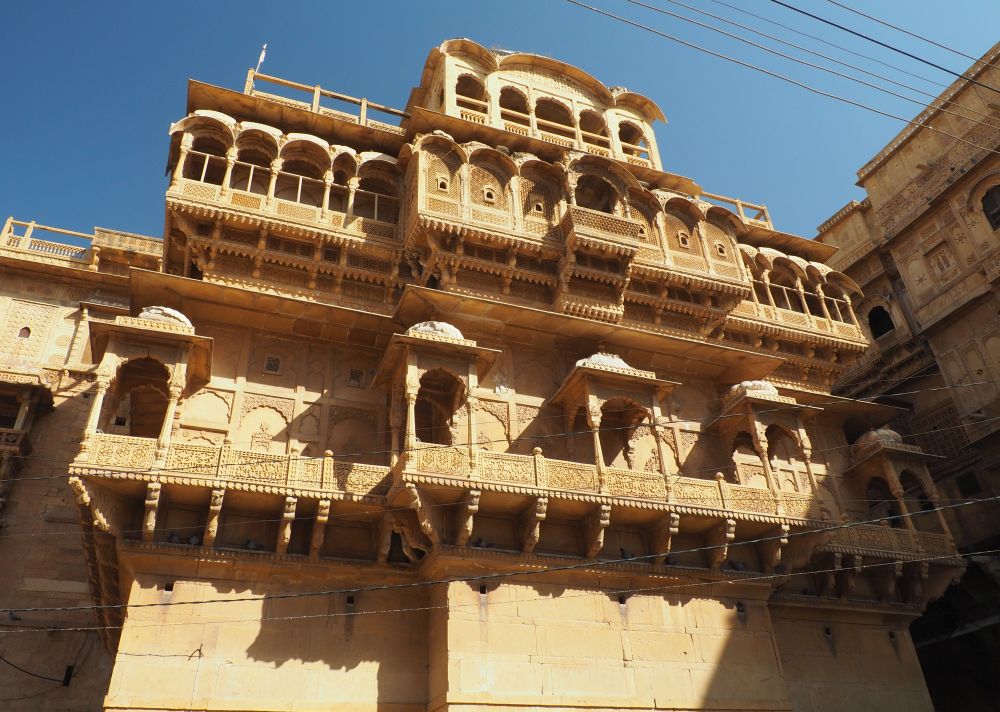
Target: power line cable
{"type": "Point", "coordinates": [777, 75]}
{"type": "Point", "coordinates": [479, 604]}
{"type": "Point", "coordinates": [887, 46]}
{"type": "Point", "coordinates": [830, 44]}
{"type": "Point", "coordinates": [833, 59]}
{"type": "Point", "coordinates": [803, 62]}
{"type": "Point", "coordinates": [590, 563]}
{"type": "Point", "coordinates": [977, 60]}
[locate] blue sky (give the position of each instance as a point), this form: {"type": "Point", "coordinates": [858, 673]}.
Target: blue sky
{"type": "Point", "coordinates": [89, 89]}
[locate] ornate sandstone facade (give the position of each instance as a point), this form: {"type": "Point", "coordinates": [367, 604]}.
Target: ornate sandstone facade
{"type": "Point", "coordinates": [924, 248]}
{"type": "Point", "coordinates": [550, 427]}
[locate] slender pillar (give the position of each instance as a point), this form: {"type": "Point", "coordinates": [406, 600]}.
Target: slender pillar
{"type": "Point", "coordinates": [187, 140]}
{"type": "Point", "coordinates": [163, 441]}
{"type": "Point", "coordinates": [228, 175]}
{"type": "Point", "coordinates": [765, 277]}
{"type": "Point", "coordinates": [276, 165]}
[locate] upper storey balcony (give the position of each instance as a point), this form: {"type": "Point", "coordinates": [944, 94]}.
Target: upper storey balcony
{"type": "Point", "coordinates": [539, 98]}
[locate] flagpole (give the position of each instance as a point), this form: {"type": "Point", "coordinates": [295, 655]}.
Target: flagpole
{"type": "Point", "coordinates": [260, 61]}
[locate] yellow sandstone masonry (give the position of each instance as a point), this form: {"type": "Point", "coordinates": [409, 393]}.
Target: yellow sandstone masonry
{"type": "Point", "coordinates": [486, 337]}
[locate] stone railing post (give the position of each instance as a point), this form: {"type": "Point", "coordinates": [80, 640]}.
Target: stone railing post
{"type": "Point", "coordinates": [541, 480]}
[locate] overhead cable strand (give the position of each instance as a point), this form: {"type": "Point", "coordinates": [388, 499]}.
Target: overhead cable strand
{"type": "Point", "coordinates": [913, 34]}
{"type": "Point", "coordinates": [856, 68]}
{"type": "Point", "coordinates": [830, 44]}
{"type": "Point", "coordinates": [887, 46]}
{"type": "Point", "coordinates": [803, 62]}
{"type": "Point", "coordinates": [777, 75]}
{"type": "Point", "coordinates": [512, 574]}
{"type": "Point", "coordinates": [478, 604]}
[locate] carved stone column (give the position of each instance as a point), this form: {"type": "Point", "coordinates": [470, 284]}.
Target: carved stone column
{"type": "Point", "coordinates": [765, 277]}
{"type": "Point", "coordinates": [276, 165]}
{"type": "Point", "coordinates": [163, 441]}
{"type": "Point", "coordinates": [760, 445]}
{"type": "Point", "coordinates": [97, 403]}
{"type": "Point", "coordinates": [594, 420]}
{"type": "Point", "coordinates": [411, 421]}
{"type": "Point", "coordinates": [187, 141]}
{"type": "Point", "coordinates": [228, 175]}
{"type": "Point", "coordinates": [472, 405]}
{"type": "Point", "coordinates": [327, 185]}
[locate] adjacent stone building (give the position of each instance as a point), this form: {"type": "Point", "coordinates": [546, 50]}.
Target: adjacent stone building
{"type": "Point", "coordinates": [924, 248]}
{"type": "Point", "coordinates": [467, 406]}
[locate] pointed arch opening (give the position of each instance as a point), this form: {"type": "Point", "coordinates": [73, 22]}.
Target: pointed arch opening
{"type": "Point", "coordinates": [595, 193]}
{"type": "Point", "coordinates": [554, 117]}
{"type": "Point", "coordinates": [439, 398]}
{"type": "Point", "coordinates": [139, 399]}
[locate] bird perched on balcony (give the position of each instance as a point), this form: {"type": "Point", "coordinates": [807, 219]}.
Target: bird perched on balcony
{"type": "Point", "coordinates": [482, 543]}
{"type": "Point", "coordinates": [194, 540]}
{"type": "Point", "coordinates": [13, 615]}
{"type": "Point", "coordinates": [251, 545]}
{"type": "Point", "coordinates": [173, 538]}
{"type": "Point", "coordinates": [625, 553]}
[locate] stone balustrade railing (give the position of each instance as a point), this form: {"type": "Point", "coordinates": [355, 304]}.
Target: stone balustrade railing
{"type": "Point", "coordinates": [546, 473]}
{"type": "Point", "coordinates": [767, 314]}
{"type": "Point", "coordinates": [875, 540]}
{"type": "Point", "coordinates": [283, 209]}
{"type": "Point", "coordinates": [219, 466]}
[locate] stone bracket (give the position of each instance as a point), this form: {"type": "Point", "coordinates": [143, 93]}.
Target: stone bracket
{"type": "Point", "coordinates": [319, 528]}
{"type": "Point", "coordinates": [285, 526]}
{"type": "Point", "coordinates": [719, 537]}
{"type": "Point", "coordinates": [212, 523]}
{"type": "Point", "coordinates": [661, 536]}
{"type": "Point", "coordinates": [427, 511]}
{"type": "Point", "coordinates": [149, 514]}
{"type": "Point", "coordinates": [531, 523]}
{"type": "Point", "coordinates": [594, 525]}
{"type": "Point", "coordinates": [770, 550]}
{"type": "Point", "coordinates": [465, 514]}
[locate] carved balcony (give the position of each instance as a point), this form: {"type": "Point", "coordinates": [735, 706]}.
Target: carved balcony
{"type": "Point", "coordinates": [778, 322]}
{"type": "Point", "coordinates": [602, 232]}
{"type": "Point", "coordinates": [124, 457]}
{"type": "Point", "coordinates": [374, 214]}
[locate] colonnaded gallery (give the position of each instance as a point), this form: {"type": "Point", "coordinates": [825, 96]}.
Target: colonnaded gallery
{"type": "Point", "coordinates": [467, 406]}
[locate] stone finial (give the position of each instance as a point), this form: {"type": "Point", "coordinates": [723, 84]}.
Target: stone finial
{"type": "Point", "coordinates": [874, 438]}
{"type": "Point", "coordinates": [602, 359]}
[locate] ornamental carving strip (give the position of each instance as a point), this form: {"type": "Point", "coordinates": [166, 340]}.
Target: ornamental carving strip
{"type": "Point", "coordinates": [499, 410]}
{"type": "Point", "coordinates": [283, 406]}
{"type": "Point", "coordinates": [340, 413]}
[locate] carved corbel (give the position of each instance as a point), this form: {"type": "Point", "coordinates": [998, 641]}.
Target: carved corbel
{"type": "Point", "coordinates": [770, 549]}
{"type": "Point", "coordinates": [801, 546]}
{"type": "Point", "coordinates": [531, 523]}
{"type": "Point", "coordinates": [661, 537]}
{"type": "Point", "coordinates": [885, 578]}
{"type": "Point", "coordinates": [719, 538]}
{"type": "Point", "coordinates": [593, 530]}
{"type": "Point", "coordinates": [212, 522]}
{"type": "Point", "coordinates": [319, 528]}
{"type": "Point", "coordinates": [847, 576]}
{"type": "Point", "coordinates": [428, 514]}
{"type": "Point", "coordinates": [285, 527]}
{"type": "Point", "coordinates": [830, 566]}
{"type": "Point", "coordinates": [465, 513]}
{"type": "Point", "coordinates": [101, 508]}
{"type": "Point", "coordinates": [149, 515]}
{"type": "Point", "coordinates": [915, 575]}
{"type": "Point", "coordinates": [412, 539]}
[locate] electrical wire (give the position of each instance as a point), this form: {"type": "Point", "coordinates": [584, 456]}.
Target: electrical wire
{"type": "Point", "coordinates": [493, 577]}
{"type": "Point", "coordinates": [830, 44]}
{"type": "Point", "coordinates": [777, 75]}
{"type": "Point", "coordinates": [803, 62]}
{"type": "Point", "coordinates": [480, 604]}
{"type": "Point", "coordinates": [837, 61]}
{"type": "Point", "coordinates": [886, 46]}
{"type": "Point", "coordinates": [912, 34]}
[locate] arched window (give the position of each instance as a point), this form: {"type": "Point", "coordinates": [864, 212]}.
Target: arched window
{"type": "Point", "coordinates": [206, 161]}
{"type": "Point", "coordinates": [514, 107]}
{"type": "Point", "coordinates": [139, 402]}
{"type": "Point", "coordinates": [596, 194]}
{"type": "Point", "coordinates": [439, 397]}
{"type": "Point", "coordinates": [882, 503]}
{"type": "Point", "coordinates": [376, 198]}
{"type": "Point", "coordinates": [471, 95]}
{"type": "Point", "coordinates": [991, 206]}
{"type": "Point", "coordinates": [594, 130]}
{"type": "Point", "coordinates": [554, 118]}
{"type": "Point", "coordinates": [880, 322]}
{"type": "Point", "coordinates": [633, 141]}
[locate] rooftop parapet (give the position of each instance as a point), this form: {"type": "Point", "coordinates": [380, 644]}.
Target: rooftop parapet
{"type": "Point", "coordinates": [104, 251]}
